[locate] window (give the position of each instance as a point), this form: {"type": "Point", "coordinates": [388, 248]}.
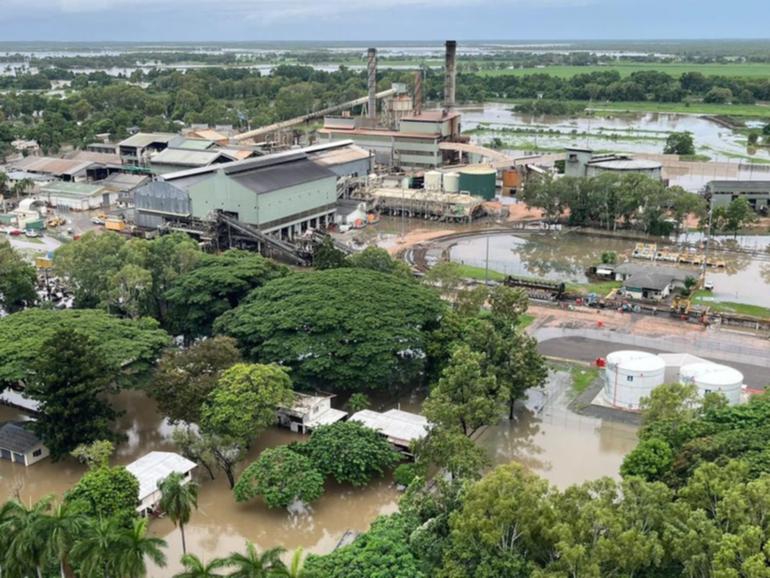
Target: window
{"type": "Point", "coordinates": [629, 378]}
{"type": "Point", "coordinates": [36, 453]}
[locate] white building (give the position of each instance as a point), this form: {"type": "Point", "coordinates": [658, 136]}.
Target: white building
{"type": "Point", "coordinates": [308, 412]}
{"type": "Point", "coordinates": [400, 428]}
{"type": "Point", "coordinates": [153, 468]}
{"type": "Point", "coordinates": [77, 196]}
{"type": "Point", "coordinates": [20, 445]}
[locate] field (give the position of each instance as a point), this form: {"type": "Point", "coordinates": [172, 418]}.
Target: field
{"type": "Point", "coordinates": [752, 70]}
{"type": "Point", "coordinates": [704, 298]}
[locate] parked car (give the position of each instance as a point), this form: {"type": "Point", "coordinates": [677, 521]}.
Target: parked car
{"type": "Point", "coordinates": [15, 232]}
{"type": "Point", "coordinates": [31, 233]}
{"type": "Point", "coordinates": [97, 221]}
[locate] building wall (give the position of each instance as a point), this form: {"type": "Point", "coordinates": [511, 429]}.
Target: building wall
{"type": "Point", "coordinates": [758, 200]}
{"type": "Point", "coordinates": [300, 199]}
{"type": "Point", "coordinates": [157, 200]}
{"type": "Point", "coordinates": [575, 163]}
{"type": "Point", "coordinates": [593, 171]}
{"type": "Point", "coordinates": [36, 454]}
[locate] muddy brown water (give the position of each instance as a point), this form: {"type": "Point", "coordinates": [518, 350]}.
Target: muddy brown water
{"type": "Point", "coordinates": [564, 450]}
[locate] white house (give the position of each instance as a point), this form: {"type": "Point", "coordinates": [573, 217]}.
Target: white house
{"type": "Point", "coordinates": [400, 428]}
{"type": "Point", "coordinates": [20, 445]}
{"type": "Point", "coordinates": [308, 412]}
{"type": "Point", "coordinates": [152, 468]}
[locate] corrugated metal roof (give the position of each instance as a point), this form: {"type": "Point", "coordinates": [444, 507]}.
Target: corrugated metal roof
{"type": "Point", "coordinates": [347, 154]}
{"type": "Point", "coordinates": [272, 178]}
{"type": "Point", "coordinates": [52, 166]}
{"type": "Point", "coordinates": [193, 144]}
{"type": "Point", "coordinates": [80, 189]}
{"type": "Point", "coordinates": [394, 424]}
{"type": "Point", "coordinates": [210, 134]}
{"type": "Point", "coordinates": [187, 158]}
{"type": "Point", "coordinates": [156, 466]}
{"type": "Point", "coordinates": [17, 439]}
{"type": "Point", "coordinates": [142, 139]}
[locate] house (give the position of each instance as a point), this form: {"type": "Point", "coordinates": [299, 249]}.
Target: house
{"type": "Point", "coordinates": [308, 412]}
{"type": "Point", "coordinates": [20, 445]}
{"type": "Point", "coordinates": [654, 286]}
{"type": "Point", "coordinates": [153, 468]}
{"type": "Point", "coordinates": [400, 428]}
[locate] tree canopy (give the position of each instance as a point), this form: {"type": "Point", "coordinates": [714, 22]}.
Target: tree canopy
{"type": "Point", "coordinates": [108, 492]}
{"type": "Point", "coordinates": [17, 280]}
{"type": "Point", "coordinates": [130, 346]}
{"type": "Point", "coordinates": [351, 329]}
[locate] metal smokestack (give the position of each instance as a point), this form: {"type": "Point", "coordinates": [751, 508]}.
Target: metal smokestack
{"type": "Point", "coordinates": [372, 106]}
{"type": "Point", "coordinates": [451, 72]}
{"type": "Point", "coordinates": [417, 91]}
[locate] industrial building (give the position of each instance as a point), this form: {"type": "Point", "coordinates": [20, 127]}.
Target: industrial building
{"type": "Point", "coordinates": [722, 193]}
{"type": "Point", "coordinates": [137, 149]}
{"type": "Point", "coordinates": [581, 162]}
{"type": "Point", "coordinates": [77, 196]}
{"type": "Point", "coordinates": [630, 376]}
{"type": "Point", "coordinates": [282, 194]}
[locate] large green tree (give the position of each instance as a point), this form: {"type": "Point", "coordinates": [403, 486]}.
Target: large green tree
{"type": "Point", "coordinates": [350, 452]}
{"type": "Point", "coordinates": [280, 476]}
{"type": "Point", "coordinates": [128, 348]}
{"type": "Point", "coordinates": [346, 328]}
{"type": "Point", "coordinates": [215, 285]}
{"type": "Point", "coordinates": [106, 492]}
{"type": "Point", "coordinates": [184, 378]}
{"type": "Point", "coordinates": [69, 384]}
{"type": "Point", "coordinates": [17, 280]}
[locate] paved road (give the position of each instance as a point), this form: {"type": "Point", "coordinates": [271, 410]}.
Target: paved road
{"type": "Point", "coordinates": [583, 349]}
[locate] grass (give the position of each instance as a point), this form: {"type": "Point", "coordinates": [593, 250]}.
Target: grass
{"type": "Point", "coordinates": [583, 377]}
{"type": "Point", "coordinates": [601, 288]}
{"type": "Point", "coordinates": [750, 70]}
{"type": "Point", "coordinates": [737, 110]}
{"type": "Point", "coordinates": [472, 272]}
{"type": "Point", "coordinates": [525, 320]}
{"type": "Point", "coordinates": [704, 298]}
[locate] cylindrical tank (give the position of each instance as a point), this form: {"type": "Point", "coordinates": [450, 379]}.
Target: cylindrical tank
{"type": "Point", "coordinates": [480, 181]}
{"type": "Point", "coordinates": [433, 180]}
{"type": "Point", "coordinates": [511, 178]}
{"type": "Point", "coordinates": [713, 378]}
{"type": "Point", "coordinates": [451, 182]}
{"type": "Point", "coordinates": [631, 375]}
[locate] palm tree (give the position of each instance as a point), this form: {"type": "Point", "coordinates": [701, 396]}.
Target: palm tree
{"type": "Point", "coordinates": [296, 568]}
{"type": "Point", "coordinates": [136, 547]}
{"type": "Point", "coordinates": [8, 512]}
{"type": "Point", "coordinates": [194, 567]}
{"type": "Point", "coordinates": [96, 551]}
{"type": "Point", "coordinates": [62, 529]}
{"type": "Point", "coordinates": [255, 565]}
{"type": "Point", "coordinates": [22, 186]}
{"type": "Point", "coordinates": [178, 500]}
{"type": "Point", "coordinates": [26, 528]}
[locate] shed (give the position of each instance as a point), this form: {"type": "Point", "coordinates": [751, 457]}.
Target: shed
{"type": "Point", "coordinates": [655, 286]}
{"type": "Point", "coordinates": [309, 412]}
{"type": "Point", "coordinates": [151, 469]}
{"type": "Point", "coordinates": [400, 428]}
{"type": "Point", "coordinates": [77, 196]}
{"type": "Point", "coordinates": [20, 445]}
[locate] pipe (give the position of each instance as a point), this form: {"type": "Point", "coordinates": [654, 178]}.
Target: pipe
{"type": "Point", "coordinates": [450, 74]}
{"type": "Point", "coordinates": [418, 92]}
{"type": "Point", "coordinates": [372, 106]}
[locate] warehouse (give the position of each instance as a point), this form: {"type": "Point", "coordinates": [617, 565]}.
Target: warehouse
{"type": "Point", "coordinates": [77, 196]}
{"type": "Point", "coordinates": [757, 193]}
{"type": "Point", "coordinates": [137, 149]}
{"type": "Point", "coordinates": [176, 159]}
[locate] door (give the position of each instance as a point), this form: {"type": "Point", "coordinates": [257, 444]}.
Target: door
{"type": "Point", "coordinates": [5, 454]}
{"type": "Point", "coordinates": [18, 458]}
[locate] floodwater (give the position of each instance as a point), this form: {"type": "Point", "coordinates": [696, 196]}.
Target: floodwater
{"type": "Point", "coordinates": [565, 257]}
{"type": "Point", "coordinates": [605, 131]}
{"type": "Point", "coordinates": [563, 447]}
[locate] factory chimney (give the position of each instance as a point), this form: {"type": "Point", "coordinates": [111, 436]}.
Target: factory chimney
{"type": "Point", "coordinates": [451, 72]}
{"type": "Point", "coordinates": [372, 106]}
{"type": "Point", "coordinates": [418, 92]}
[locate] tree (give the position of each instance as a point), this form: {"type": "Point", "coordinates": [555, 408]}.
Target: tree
{"type": "Point", "coordinates": [194, 567]}
{"type": "Point", "coordinates": [95, 551]}
{"type": "Point", "coordinates": [507, 305]}
{"type": "Point", "coordinates": [62, 529]}
{"type": "Point", "coordinates": [718, 95]}
{"type": "Point", "coordinates": [358, 402]}
{"type": "Point", "coordinates": [445, 275]}
{"type": "Point", "coordinates": [464, 399]}
{"type": "Point", "coordinates": [245, 400]}
{"type": "Point", "coordinates": [679, 143]}
{"type": "Point", "coordinates": [255, 565]}
{"type": "Point", "coordinates": [178, 499]}
{"type": "Point", "coordinates": [184, 378]}
{"type": "Point", "coordinates": [68, 382]}
{"type": "Point", "coordinates": [106, 492]}
{"type": "Point", "coordinates": [649, 460]}
{"type": "Point", "coordinates": [668, 409]}
{"type": "Point", "coordinates": [609, 257]}
{"type": "Point", "coordinates": [28, 547]}
{"type": "Point", "coordinates": [127, 348]}
{"type": "Point", "coordinates": [137, 546]}
{"type": "Point", "coordinates": [378, 259]}
{"type": "Point", "coordinates": [211, 451]}
{"type": "Point", "coordinates": [216, 284]}
{"type": "Point", "coordinates": [95, 454]}
{"type": "Point", "coordinates": [281, 476]}
{"type": "Point", "coordinates": [453, 451]}
{"type": "Point", "coordinates": [17, 280]}
{"type": "Point", "coordinates": [736, 216]}
{"type": "Point", "coordinates": [317, 324]}
{"type": "Point", "coordinates": [349, 452]}
{"type": "Point", "coordinates": [327, 256]}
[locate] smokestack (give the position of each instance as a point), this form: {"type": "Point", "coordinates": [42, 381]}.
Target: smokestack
{"type": "Point", "coordinates": [417, 91]}
{"type": "Point", "coordinates": [451, 72]}
{"type": "Point", "coordinates": [372, 83]}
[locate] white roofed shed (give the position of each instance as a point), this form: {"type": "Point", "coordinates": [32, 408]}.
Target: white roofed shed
{"type": "Point", "coordinates": [153, 468]}
{"type": "Point", "coordinates": [401, 428]}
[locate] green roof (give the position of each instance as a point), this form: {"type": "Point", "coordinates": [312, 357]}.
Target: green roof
{"type": "Point", "coordinates": [62, 188]}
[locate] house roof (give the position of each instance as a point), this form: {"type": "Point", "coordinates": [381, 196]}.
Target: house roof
{"type": "Point", "coordinates": [655, 281]}
{"type": "Point", "coordinates": [154, 467]}
{"type": "Point", "coordinates": [142, 139]}
{"type": "Point", "coordinates": [18, 439]}
{"type": "Point", "coordinates": [188, 158]}
{"type": "Point", "coordinates": [396, 425]}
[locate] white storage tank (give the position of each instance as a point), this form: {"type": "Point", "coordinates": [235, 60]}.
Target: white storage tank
{"type": "Point", "coordinates": [631, 375]}
{"type": "Point", "coordinates": [452, 182]}
{"type": "Point", "coordinates": [433, 180]}
{"type": "Point", "coordinates": [714, 378]}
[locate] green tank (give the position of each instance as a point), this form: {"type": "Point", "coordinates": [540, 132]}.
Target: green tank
{"type": "Point", "coordinates": [479, 181]}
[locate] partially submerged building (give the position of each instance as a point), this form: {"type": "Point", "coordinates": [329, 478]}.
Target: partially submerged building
{"type": "Point", "coordinates": [402, 429]}
{"type": "Point", "coordinates": [20, 445]}
{"type": "Point", "coordinates": [722, 193]}
{"type": "Point", "coordinates": [308, 412]}
{"type": "Point", "coordinates": [153, 468]}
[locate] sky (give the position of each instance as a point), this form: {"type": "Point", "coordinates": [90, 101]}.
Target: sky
{"type": "Point", "coordinates": [360, 20]}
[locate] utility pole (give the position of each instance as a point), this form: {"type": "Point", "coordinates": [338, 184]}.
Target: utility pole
{"type": "Point", "coordinates": [486, 264]}
{"type": "Point", "coordinates": [708, 238]}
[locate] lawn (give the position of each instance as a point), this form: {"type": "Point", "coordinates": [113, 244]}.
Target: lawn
{"type": "Point", "coordinates": [583, 377]}
{"type": "Point", "coordinates": [750, 70]}
{"type": "Point", "coordinates": [601, 288]}
{"type": "Point", "coordinates": [472, 272]}
{"type": "Point", "coordinates": [704, 298]}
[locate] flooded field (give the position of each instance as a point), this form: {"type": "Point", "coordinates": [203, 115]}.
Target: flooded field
{"type": "Point", "coordinates": [563, 447]}
{"type": "Point", "coordinates": [613, 132]}
{"type": "Point", "coordinates": [565, 257]}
